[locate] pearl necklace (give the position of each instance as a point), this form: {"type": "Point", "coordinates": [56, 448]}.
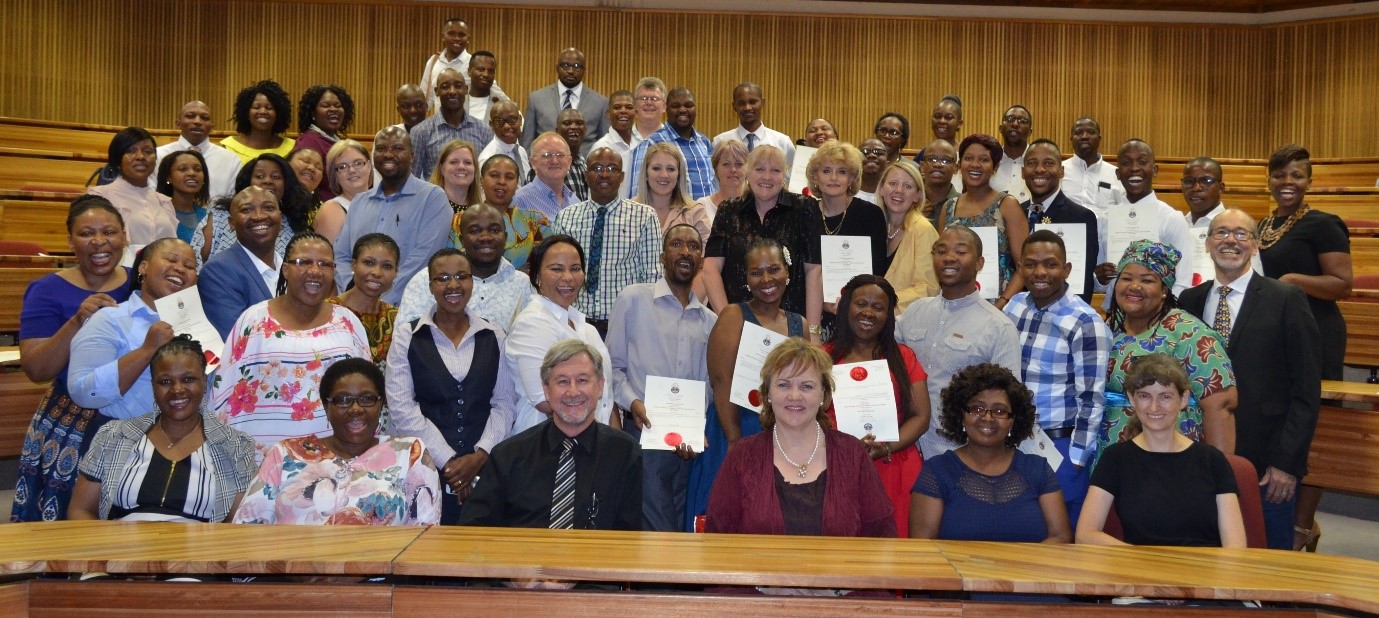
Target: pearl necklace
{"type": "Point", "coordinates": [804, 467]}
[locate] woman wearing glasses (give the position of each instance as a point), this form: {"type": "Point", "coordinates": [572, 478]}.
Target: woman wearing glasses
{"type": "Point", "coordinates": [986, 490]}
{"type": "Point", "coordinates": [893, 129]}
{"type": "Point", "coordinates": [350, 173]}
{"type": "Point", "coordinates": [267, 384]}
{"type": "Point", "coordinates": [352, 476]}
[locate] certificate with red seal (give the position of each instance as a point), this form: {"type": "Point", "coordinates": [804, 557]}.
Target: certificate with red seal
{"type": "Point", "coordinates": [182, 311]}
{"type": "Point", "coordinates": [675, 408]}
{"type": "Point", "coordinates": [864, 400]}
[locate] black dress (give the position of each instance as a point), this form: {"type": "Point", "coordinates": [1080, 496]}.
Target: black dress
{"type": "Point", "coordinates": [1314, 234]}
{"type": "Point", "coordinates": [793, 222]}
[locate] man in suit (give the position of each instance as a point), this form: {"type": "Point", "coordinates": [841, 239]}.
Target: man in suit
{"type": "Point", "coordinates": [1043, 174]}
{"type": "Point", "coordinates": [569, 92]}
{"type": "Point", "coordinates": [246, 273]}
{"type": "Point", "coordinates": [1271, 338]}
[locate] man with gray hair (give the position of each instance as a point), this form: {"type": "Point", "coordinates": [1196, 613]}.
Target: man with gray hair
{"type": "Point", "coordinates": [569, 471]}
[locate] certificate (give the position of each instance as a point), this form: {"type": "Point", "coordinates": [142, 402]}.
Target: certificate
{"type": "Point", "coordinates": [756, 343]}
{"type": "Point", "coordinates": [798, 178]}
{"type": "Point", "coordinates": [1203, 269]}
{"type": "Point", "coordinates": [844, 257]}
{"type": "Point", "coordinates": [1127, 223]}
{"type": "Point", "coordinates": [675, 408]}
{"type": "Point", "coordinates": [1040, 444]}
{"type": "Point", "coordinates": [1074, 237]}
{"type": "Point", "coordinates": [864, 400]}
{"type": "Point", "coordinates": [184, 313]}
{"type": "Point", "coordinates": [989, 277]}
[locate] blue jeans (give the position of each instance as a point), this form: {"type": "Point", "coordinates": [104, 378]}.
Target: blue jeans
{"type": "Point", "coordinates": [1278, 521]}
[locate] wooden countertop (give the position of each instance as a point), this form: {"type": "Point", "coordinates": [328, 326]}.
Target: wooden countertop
{"type": "Point", "coordinates": [1361, 392]}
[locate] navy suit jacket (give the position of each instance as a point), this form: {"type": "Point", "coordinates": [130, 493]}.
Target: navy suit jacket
{"type": "Point", "coordinates": [1064, 210]}
{"type": "Point", "coordinates": [229, 284]}
{"type": "Point", "coordinates": [543, 107]}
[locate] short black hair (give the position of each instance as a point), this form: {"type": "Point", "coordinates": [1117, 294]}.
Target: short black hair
{"type": "Point", "coordinates": [1045, 140]}
{"type": "Point", "coordinates": [1048, 236]}
{"type": "Point", "coordinates": [136, 280]}
{"type": "Point", "coordinates": [444, 252]}
{"type": "Point", "coordinates": [348, 367]}
{"type": "Point", "coordinates": [974, 379]}
{"type": "Point", "coordinates": [306, 108]}
{"type": "Point", "coordinates": [483, 53]}
{"type": "Point", "coordinates": [122, 142]}
{"type": "Point", "coordinates": [282, 104]}
{"type": "Point", "coordinates": [375, 238]}
{"type": "Point", "coordinates": [904, 124]}
{"type": "Point", "coordinates": [1289, 153]}
{"type": "Point", "coordinates": [539, 253]}
{"type": "Point", "coordinates": [88, 202]}
{"type": "Point", "coordinates": [665, 238]}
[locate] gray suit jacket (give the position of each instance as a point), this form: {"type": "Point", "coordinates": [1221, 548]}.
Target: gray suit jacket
{"type": "Point", "coordinates": [543, 106]}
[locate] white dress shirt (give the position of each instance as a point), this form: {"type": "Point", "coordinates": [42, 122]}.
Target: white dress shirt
{"type": "Point", "coordinates": [1009, 177]}
{"type": "Point", "coordinates": [574, 101]}
{"type": "Point", "coordinates": [1094, 186]}
{"type": "Point", "coordinates": [539, 326]}
{"type": "Point", "coordinates": [267, 271]}
{"type": "Point", "coordinates": [765, 135]}
{"type": "Point", "coordinates": [1173, 231]}
{"type": "Point", "coordinates": [437, 63]}
{"type": "Point", "coordinates": [222, 164]}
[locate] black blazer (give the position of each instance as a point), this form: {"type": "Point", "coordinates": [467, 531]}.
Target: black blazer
{"type": "Point", "coordinates": [1277, 361]}
{"type": "Point", "coordinates": [1064, 210]}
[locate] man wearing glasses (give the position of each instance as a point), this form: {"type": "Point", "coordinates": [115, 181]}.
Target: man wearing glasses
{"type": "Point", "coordinates": [1202, 188]}
{"type": "Point", "coordinates": [569, 92]}
{"type": "Point", "coordinates": [547, 192]}
{"type": "Point", "coordinates": [1016, 125]}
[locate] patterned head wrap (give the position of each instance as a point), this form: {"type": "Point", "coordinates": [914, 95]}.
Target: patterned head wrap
{"type": "Point", "coordinates": [1158, 257]}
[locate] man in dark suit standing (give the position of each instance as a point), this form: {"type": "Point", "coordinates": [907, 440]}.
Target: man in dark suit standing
{"type": "Point", "coordinates": [1271, 338]}
{"type": "Point", "coordinates": [544, 105]}
{"type": "Point", "coordinates": [1043, 174]}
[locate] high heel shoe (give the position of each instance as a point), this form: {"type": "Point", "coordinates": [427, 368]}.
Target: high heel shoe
{"type": "Point", "coordinates": [1305, 539]}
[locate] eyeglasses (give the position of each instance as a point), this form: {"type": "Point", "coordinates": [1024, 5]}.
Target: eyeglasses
{"type": "Point", "coordinates": [356, 165]}
{"type": "Point", "coordinates": [873, 152]}
{"type": "Point", "coordinates": [445, 278]}
{"type": "Point", "coordinates": [649, 98]}
{"type": "Point", "coordinates": [599, 168]}
{"type": "Point", "coordinates": [977, 410]}
{"type": "Point", "coordinates": [888, 132]}
{"type": "Point", "coordinates": [345, 401]}
{"type": "Point", "coordinates": [552, 155]}
{"type": "Point", "coordinates": [1240, 234]}
{"type": "Point", "coordinates": [578, 66]}
{"type": "Point", "coordinates": [1206, 181]}
{"type": "Point", "coordinates": [512, 120]}
{"type": "Point", "coordinates": [939, 160]}
{"type": "Point", "coordinates": [1013, 119]}
{"type": "Point", "coordinates": [308, 263]}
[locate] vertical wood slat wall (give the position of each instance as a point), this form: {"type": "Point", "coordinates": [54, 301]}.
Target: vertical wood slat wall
{"type": "Point", "coordinates": [1225, 91]}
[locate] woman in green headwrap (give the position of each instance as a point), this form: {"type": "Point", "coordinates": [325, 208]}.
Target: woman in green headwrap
{"type": "Point", "coordinates": [1145, 319]}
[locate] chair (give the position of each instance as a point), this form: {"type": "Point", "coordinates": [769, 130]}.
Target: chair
{"type": "Point", "coordinates": [1251, 506]}
{"type": "Point", "coordinates": [21, 247]}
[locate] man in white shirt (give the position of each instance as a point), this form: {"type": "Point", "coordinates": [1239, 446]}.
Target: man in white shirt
{"type": "Point", "coordinates": [620, 138]}
{"type": "Point", "coordinates": [453, 55]}
{"type": "Point", "coordinates": [747, 104]}
{"type": "Point", "coordinates": [483, 69]}
{"type": "Point", "coordinates": [569, 92]}
{"type": "Point", "coordinates": [1088, 178]}
{"type": "Point", "coordinates": [1136, 172]}
{"type": "Point", "coordinates": [506, 123]}
{"type": "Point", "coordinates": [1202, 187]}
{"type": "Point", "coordinates": [1016, 125]}
{"type": "Point", "coordinates": [194, 121]}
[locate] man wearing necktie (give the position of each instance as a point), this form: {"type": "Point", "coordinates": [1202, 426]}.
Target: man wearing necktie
{"type": "Point", "coordinates": [568, 92]}
{"type": "Point", "coordinates": [748, 103]}
{"type": "Point", "coordinates": [1271, 338]}
{"type": "Point", "coordinates": [1042, 172]}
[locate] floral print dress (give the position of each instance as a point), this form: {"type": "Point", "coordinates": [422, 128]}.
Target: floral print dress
{"type": "Point", "coordinates": [268, 384]}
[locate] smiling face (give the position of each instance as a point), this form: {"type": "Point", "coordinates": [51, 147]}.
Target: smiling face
{"type": "Point", "coordinates": [1043, 170]}
{"type": "Point", "coordinates": [833, 179]}
{"type": "Point", "coordinates": [329, 113]}
{"type": "Point", "coordinates": [268, 175]}
{"type": "Point", "coordinates": [747, 104]}
{"type": "Point", "coordinates": [604, 175]}
{"type": "Point", "coordinates": [136, 165]}
{"type": "Point", "coordinates": [392, 156]}
{"type": "Point", "coordinates": [170, 267]}
{"type": "Point", "coordinates": [874, 155]}
{"type": "Point", "coordinates": [957, 260]}
{"type": "Point", "coordinates": [1157, 406]}
{"type": "Point", "coordinates": [1016, 126]}
{"type": "Point", "coordinates": [186, 177]}
{"type": "Point", "coordinates": [796, 393]}
{"type": "Point", "coordinates": [1136, 170]}
{"type": "Point", "coordinates": [682, 255]}
{"type": "Point", "coordinates": [309, 168]}
{"type": "Point", "coordinates": [976, 166]}
{"type": "Point", "coordinates": [1045, 269]}
{"type": "Point", "coordinates": [982, 420]}
{"type": "Point", "coordinates": [898, 192]}
{"type": "Point", "coordinates": [819, 132]}
{"type": "Point", "coordinates": [561, 274]}
{"type": "Point", "coordinates": [867, 312]}
{"type": "Point", "coordinates": [570, 125]}
{"type": "Point", "coordinates": [411, 106]}
{"type": "Point", "coordinates": [662, 174]}
{"type": "Point", "coordinates": [550, 158]}
{"type": "Point", "coordinates": [458, 169]}
{"type": "Point", "coordinates": [452, 284]}
{"type": "Point", "coordinates": [767, 275]}
{"type": "Point", "coordinates": [308, 284]}
{"type": "Point", "coordinates": [891, 133]}
{"type": "Point", "coordinates": [375, 269]}
{"type": "Point", "coordinates": [573, 389]}
{"type": "Point", "coordinates": [939, 164]}
{"type": "Point", "coordinates": [179, 382]}
{"type": "Point", "coordinates": [354, 425]}
{"type": "Point", "coordinates": [256, 219]}
{"type": "Point", "coordinates": [622, 110]}
{"type": "Point", "coordinates": [452, 91]}
{"type": "Point", "coordinates": [499, 183]}
{"type": "Point", "coordinates": [455, 38]}
{"type": "Point", "coordinates": [482, 70]}
{"type": "Point", "coordinates": [946, 121]}
{"type": "Point", "coordinates": [1230, 254]}
{"type": "Point", "coordinates": [651, 105]}
{"type": "Point", "coordinates": [505, 121]}
{"type": "Point", "coordinates": [262, 114]}
{"type": "Point", "coordinates": [1202, 188]}
{"type": "Point", "coordinates": [1140, 293]}
{"type": "Point", "coordinates": [352, 172]}
{"type": "Point", "coordinates": [195, 122]}
{"type": "Point", "coordinates": [730, 173]}
{"type": "Point", "coordinates": [766, 179]}
{"type": "Point", "coordinates": [97, 240]}
{"type": "Point", "coordinates": [682, 111]}
{"type": "Point", "coordinates": [1289, 184]}
{"type": "Point", "coordinates": [482, 235]}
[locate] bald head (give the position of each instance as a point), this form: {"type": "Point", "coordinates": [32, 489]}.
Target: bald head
{"type": "Point", "coordinates": [194, 121]}
{"type": "Point", "coordinates": [411, 105]}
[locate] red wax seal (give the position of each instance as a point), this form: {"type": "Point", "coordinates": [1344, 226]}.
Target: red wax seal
{"type": "Point", "coordinates": [673, 439]}
{"type": "Point", "coordinates": [858, 373]}
{"type": "Point", "coordinates": [976, 283]}
{"type": "Point", "coordinates": [211, 358]}
{"type": "Point", "coordinates": [754, 397]}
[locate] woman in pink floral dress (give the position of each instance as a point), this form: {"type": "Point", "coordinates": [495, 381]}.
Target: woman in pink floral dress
{"type": "Point", "coordinates": [268, 383]}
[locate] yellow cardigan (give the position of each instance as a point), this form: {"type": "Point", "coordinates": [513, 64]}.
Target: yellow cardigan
{"type": "Point", "coordinates": [912, 269]}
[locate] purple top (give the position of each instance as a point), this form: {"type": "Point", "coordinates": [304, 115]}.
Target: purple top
{"type": "Point", "coordinates": [321, 144]}
{"type": "Point", "coordinates": [49, 302]}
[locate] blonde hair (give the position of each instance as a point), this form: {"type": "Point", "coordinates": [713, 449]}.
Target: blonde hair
{"type": "Point", "coordinates": [764, 153]}
{"type": "Point", "coordinates": [800, 355]}
{"type": "Point", "coordinates": [911, 170]}
{"type": "Point", "coordinates": [473, 195]}
{"type": "Point", "coordinates": [680, 195]}
{"type": "Point", "coordinates": [835, 151]}
{"type": "Point", "coordinates": [333, 156]}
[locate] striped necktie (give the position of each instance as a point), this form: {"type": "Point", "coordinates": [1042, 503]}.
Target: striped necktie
{"type": "Point", "coordinates": [563, 497]}
{"type": "Point", "coordinates": [569, 95]}
{"type": "Point", "coordinates": [751, 141]}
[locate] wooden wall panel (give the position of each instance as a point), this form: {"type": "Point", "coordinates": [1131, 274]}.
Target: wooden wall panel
{"type": "Point", "coordinates": [1226, 91]}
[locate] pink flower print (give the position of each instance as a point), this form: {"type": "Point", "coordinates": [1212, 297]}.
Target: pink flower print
{"type": "Point", "coordinates": [243, 398]}
{"type": "Point", "coordinates": [304, 409]}
{"type": "Point", "coordinates": [241, 344]}
{"type": "Point", "coordinates": [288, 391]}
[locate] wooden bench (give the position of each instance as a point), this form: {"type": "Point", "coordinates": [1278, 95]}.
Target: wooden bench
{"type": "Point", "coordinates": [1345, 448]}
{"type": "Point", "coordinates": [40, 221]}
{"type": "Point", "coordinates": [1361, 204]}
{"type": "Point", "coordinates": [30, 173]}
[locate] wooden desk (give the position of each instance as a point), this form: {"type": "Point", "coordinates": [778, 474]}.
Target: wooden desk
{"type": "Point", "coordinates": [1360, 392]}
{"type": "Point", "coordinates": [707, 559]}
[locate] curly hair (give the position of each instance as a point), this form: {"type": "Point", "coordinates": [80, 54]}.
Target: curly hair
{"type": "Point", "coordinates": [835, 152]}
{"type": "Point", "coordinates": [796, 355]}
{"type": "Point", "coordinates": [277, 97]}
{"type": "Point", "coordinates": [974, 379]}
{"type": "Point", "coordinates": [306, 108]}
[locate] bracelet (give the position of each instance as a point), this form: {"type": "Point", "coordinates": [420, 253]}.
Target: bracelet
{"type": "Point", "coordinates": [815, 329]}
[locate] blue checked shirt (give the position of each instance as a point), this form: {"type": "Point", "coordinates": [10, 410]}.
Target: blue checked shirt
{"type": "Point", "coordinates": [698, 153]}
{"type": "Point", "coordinates": [1064, 349]}
{"type": "Point", "coordinates": [631, 249]}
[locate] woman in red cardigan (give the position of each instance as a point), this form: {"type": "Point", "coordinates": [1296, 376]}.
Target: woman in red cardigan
{"type": "Point", "coordinates": [799, 476]}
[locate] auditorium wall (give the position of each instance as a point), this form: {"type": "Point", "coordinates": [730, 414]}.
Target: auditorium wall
{"type": "Point", "coordinates": [1228, 91]}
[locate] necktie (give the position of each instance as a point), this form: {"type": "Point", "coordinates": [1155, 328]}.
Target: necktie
{"type": "Point", "coordinates": [1036, 212]}
{"type": "Point", "coordinates": [563, 497]}
{"type": "Point", "coordinates": [517, 158]}
{"type": "Point", "coordinates": [751, 141]}
{"type": "Point", "coordinates": [1223, 315]}
{"type": "Point", "coordinates": [569, 96]}
{"type": "Point", "coordinates": [591, 274]}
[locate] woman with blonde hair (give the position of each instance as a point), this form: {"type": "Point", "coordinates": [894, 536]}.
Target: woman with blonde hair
{"type": "Point", "coordinates": [910, 236]}
{"type": "Point", "coordinates": [457, 174]}
{"type": "Point", "coordinates": [663, 184]}
{"type": "Point", "coordinates": [835, 177]}
{"type": "Point", "coordinates": [349, 172]}
{"type": "Point", "coordinates": [729, 161]}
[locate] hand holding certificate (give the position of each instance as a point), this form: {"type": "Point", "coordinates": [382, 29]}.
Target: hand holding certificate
{"type": "Point", "coordinates": [676, 410]}
{"type": "Point", "coordinates": [864, 400]}
{"type": "Point", "coordinates": [752, 349]}
{"type": "Point", "coordinates": [183, 312]}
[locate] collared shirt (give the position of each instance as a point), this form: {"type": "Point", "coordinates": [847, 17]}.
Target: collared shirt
{"type": "Point", "coordinates": [437, 63]}
{"type": "Point", "coordinates": [427, 215]}
{"type": "Point", "coordinates": [431, 135]}
{"type": "Point", "coordinates": [1064, 348]}
{"type": "Point", "coordinates": [477, 107]}
{"type": "Point", "coordinates": [1233, 300]}
{"type": "Point", "coordinates": [515, 150]}
{"type": "Point", "coordinates": [575, 178]}
{"type": "Point", "coordinates": [497, 298]}
{"type": "Point", "coordinates": [538, 196]}
{"type": "Point", "coordinates": [765, 135]}
{"type": "Point", "coordinates": [1093, 186]}
{"type": "Point", "coordinates": [539, 326]}
{"type": "Point", "coordinates": [1205, 221]}
{"type": "Point", "coordinates": [612, 141]}
{"type": "Point", "coordinates": [1172, 231]}
{"type": "Point", "coordinates": [515, 487]}
{"type": "Point", "coordinates": [631, 249]}
{"type": "Point", "coordinates": [561, 89]}
{"type": "Point", "coordinates": [148, 214]}
{"type": "Point", "coordinates": [1009, 177]}
{"type": "Point", "coordinates": [93, 377]}
{"type": "Point", "coordinates": [223, 165]}
{"type": "Point", "coordinates": [405, 415]}
{"type": "Point", "coordinates": [651, 334]}
{"type": "Point", "coordinates": [949, 335]}
{"type": "Point", "coordinates": [698, 159]}
{"type": "Point", "coordinates": [267, 272]}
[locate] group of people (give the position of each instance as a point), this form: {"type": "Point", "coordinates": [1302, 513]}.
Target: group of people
{"type": "Point", "coordinates": [459, 326]}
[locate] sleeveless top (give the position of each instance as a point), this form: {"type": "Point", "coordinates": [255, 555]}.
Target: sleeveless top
{"type": "Point", "coordinates": [989, 217]}
{"type": "Point", "coordinates": [794, 322]}
{"type": "Point", "coordinates": [458, 408]}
